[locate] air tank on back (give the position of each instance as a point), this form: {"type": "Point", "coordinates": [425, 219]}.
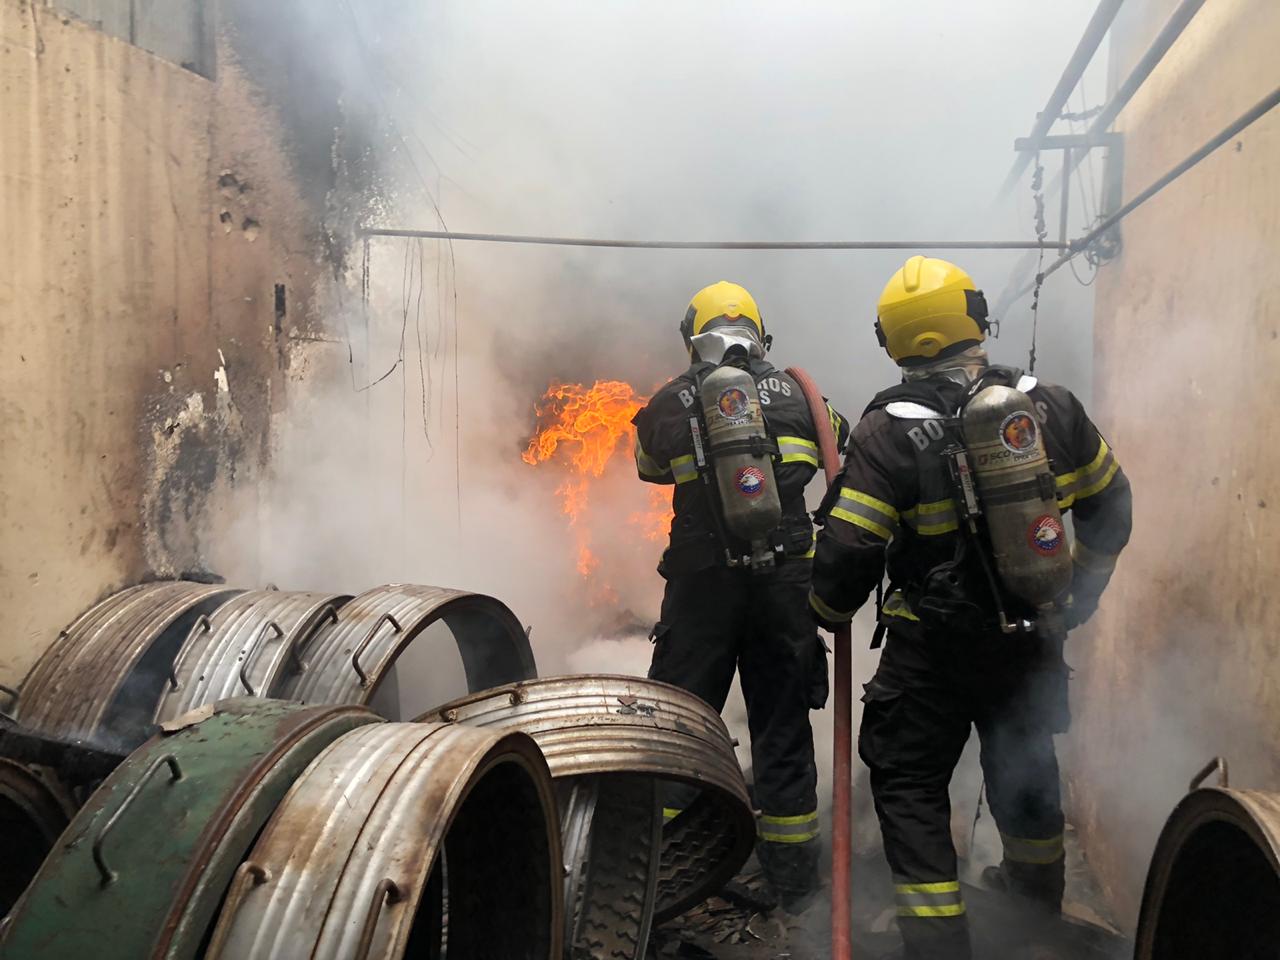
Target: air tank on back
{"type": "Point", "coordinates": [1019, 496]}
{"type": "Point", "coordinates": [741, 456]}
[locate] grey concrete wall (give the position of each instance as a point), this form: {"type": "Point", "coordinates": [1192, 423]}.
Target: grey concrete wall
{"type": "Point", "coordinates": [1181, 662]}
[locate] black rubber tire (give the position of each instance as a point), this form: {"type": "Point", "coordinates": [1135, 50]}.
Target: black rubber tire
{"type": "Point", "coordinates": [696, 848]}
{"type": "Point", "coordinates": [615, 903]}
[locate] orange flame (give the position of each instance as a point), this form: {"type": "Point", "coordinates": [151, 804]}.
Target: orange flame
{"type": "Point", "coordinates": [585, 429]}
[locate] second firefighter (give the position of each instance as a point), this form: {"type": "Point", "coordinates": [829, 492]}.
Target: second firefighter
{"type": "Point", "coordinates": [737, 584]}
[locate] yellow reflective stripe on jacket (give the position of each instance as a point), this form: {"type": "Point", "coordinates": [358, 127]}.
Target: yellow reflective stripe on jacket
{"type": "Point", "coordinates": [1095, 561]}
{"type": "Point", "coordinates": [865, 511]}
{"type": "Point", "coordinates": [837, 421]}
{"type": "Point", "coordinates": [1085, 482]}
{"type": "Point", "coordinates": [932, 519]}
{"type": "Point", "coordinates": [798, 829]}
{"type": "Point", "coordinates": [826, 612]}
{"type": "Point", "coordinates": [670, 813]}
{"type": "Point", "coordinates": [798, 450]}
{"type": "Point", "coordinates": [647, 465]}
{"type": "Point", "coordinates": [941, 899]}
{"type": "Point", "coordinates": [897, 606]}
{"type": "Point", "coordinates": [684, 469]}
{"type": "Point", "coordinates": [1037, 852]}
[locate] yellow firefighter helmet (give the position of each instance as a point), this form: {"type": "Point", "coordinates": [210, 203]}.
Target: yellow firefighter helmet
{"type": "Point", "coordinates": [729, 311]}
{"type": "Point", "coordinates": [930, 309]}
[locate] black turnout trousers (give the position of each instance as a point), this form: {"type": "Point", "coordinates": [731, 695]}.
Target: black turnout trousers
{"type": "Point", "coordinates": [719, 620]}
{"type": "Point", "coordinates": [928, 691]}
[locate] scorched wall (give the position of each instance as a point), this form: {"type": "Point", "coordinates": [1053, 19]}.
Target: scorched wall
{"type": "Point", "coordinates": [156, 259]}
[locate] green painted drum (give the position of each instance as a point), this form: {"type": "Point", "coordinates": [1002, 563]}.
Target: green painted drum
{"type": "Point", "coordinates": [142, 869]}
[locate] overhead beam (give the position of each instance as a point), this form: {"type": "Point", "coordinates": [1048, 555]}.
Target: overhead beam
{"type": "Point", "coordinates": [1236, 127]}
{"type": "Point", "coordinates": [1098, 26]}
{"type": "Point", "coordinates": [715, 244]}
{"type": "Point", "coordinates": [1065, 141]}
{"type": "Point", "coordinates": [1165, 39]}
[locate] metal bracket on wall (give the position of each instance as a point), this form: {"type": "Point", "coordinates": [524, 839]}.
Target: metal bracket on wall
{"type": "Point", "coordinates": [1074, 147]}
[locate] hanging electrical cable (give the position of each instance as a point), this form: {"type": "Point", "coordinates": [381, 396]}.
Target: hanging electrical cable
{"type": "Point", "coordinates": [1090, 199]}
{"type": "Point", "coordinates": [1042, 230]}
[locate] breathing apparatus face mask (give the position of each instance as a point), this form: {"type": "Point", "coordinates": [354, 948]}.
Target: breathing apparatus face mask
{"type": "Point", "coordinates": [963, 368]}
{"type": "Point", "coordinates": [714, 345]}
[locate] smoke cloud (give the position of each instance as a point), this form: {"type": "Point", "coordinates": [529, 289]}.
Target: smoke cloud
{"type": "Point", "coordinates": [714, 120]}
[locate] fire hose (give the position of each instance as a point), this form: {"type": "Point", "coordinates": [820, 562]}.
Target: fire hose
{"type": "Point", "coordinates": [842, 690]}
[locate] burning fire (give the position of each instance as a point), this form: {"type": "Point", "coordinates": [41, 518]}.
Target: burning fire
{"type": "Point", "coordinates": [584, 429]}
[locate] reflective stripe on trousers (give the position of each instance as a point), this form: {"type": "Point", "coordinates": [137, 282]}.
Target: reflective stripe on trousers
{"type": "Point", "coordinates": [798, 829]}
{"type": "Point", "coordinates": [937, 899]}
{"type": "Point", "coordinates": [1034, 852]}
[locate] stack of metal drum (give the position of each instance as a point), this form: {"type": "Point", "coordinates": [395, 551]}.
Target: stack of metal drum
{"type": "Point", "coordinates": [197, 771]}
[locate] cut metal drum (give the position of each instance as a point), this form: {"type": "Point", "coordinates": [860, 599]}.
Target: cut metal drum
{"type": "Point", "coordinates": [388, 825]}
{"type": "Point", "coordinates": [101, 680]}
{"type": "Point", "coordinates": [248, 647]}
{"type": "Point", "coordinates": [592, 725]}
{"type": "Point", "coordinates": [143, 867]}
{"type": "Point", "coordinates": [1213, 887]}
{"type": "Point", "coordinates": [352, 657]}
{"type": "Point", "coordinates": [34, 810]}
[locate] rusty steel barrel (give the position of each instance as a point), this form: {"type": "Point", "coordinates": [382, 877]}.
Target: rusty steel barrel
{"type": "Point", "coordinates": [100, 682]}
{"type": "Point", "coordinates": [143, 867]}
{"type": "Point", "coordinates": [35, 807]}
{"type": "Point", "coordinates": [353, 658]}
{"type": "Point", "coordinates": [628, 726]}
{"type": "Point", "coordinates": [252, 646]}
{"type": "Point", "coordinates": [397, 833]}
{"type": "Point", "coordinates": [1213, 887]}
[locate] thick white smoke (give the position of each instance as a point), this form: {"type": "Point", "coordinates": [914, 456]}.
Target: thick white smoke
{"type": "Point", "coordinates": [721, 119]}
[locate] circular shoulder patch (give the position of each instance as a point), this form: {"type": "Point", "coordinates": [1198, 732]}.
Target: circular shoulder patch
{"type": "Point", "coordinates": [733, 404]}
{"type": "Point", "coordinates": [1018, 432]}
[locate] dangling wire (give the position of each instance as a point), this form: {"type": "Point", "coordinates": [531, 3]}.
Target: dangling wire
{"type": "Point", "coordinates": [1042, 231]}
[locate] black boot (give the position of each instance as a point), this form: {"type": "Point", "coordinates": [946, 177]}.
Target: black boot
{"type": "Point", "coordinates": [791, 870]}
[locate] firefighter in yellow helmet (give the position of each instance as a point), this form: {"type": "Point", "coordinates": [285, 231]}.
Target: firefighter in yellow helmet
{"type": "Point", "coordinates": [725, 608]}
{"type": "Point", "coordinates": [948, 664]}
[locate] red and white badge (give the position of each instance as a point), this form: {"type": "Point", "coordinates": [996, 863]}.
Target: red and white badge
{"type": "Point", "coordinates": [1047, 534]}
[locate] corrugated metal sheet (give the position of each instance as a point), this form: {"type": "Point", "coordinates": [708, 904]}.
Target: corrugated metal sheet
{"type": "Point", "coordinates": [343, 867]}
{"type": "Point", "coordinates": [247, 649]}
{"type": "Point", "coordinates": [146, 863]}
{"type": "Point", "coordinates": [348, 659]}
{"type": "Point", "coordinates": [615, 724]}
{"type": "Point", "coordinates": [100, 681]}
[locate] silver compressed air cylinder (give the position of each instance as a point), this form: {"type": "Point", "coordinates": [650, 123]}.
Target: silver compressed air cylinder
{"type": "Point", "coordinates": [1018, 495]}
{"type": "Point", "coordinates": [740, 454]}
